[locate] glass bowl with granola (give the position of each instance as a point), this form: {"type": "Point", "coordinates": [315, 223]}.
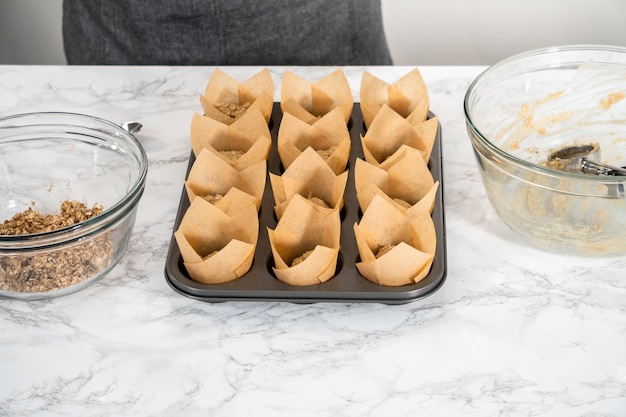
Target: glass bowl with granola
{"type": "Point", "coordinates": [69, 189]}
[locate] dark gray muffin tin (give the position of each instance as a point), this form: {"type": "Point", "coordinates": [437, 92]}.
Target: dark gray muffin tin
{"type": "Point", "coordinates": [260, 284]}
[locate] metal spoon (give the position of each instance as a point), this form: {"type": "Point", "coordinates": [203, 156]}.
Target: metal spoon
{"type": "Point", "coordinates": [132, 127]}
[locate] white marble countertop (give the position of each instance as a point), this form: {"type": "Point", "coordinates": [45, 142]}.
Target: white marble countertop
{"type": "Point", "coordinates": [513, 331]}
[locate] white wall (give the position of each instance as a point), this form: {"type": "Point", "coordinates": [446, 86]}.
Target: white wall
{"type": "Point", "coordinates": [439, 32]}
{"type": "Point", "coordinates": [420, 32]}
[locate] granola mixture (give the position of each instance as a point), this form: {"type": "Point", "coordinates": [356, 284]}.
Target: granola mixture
{"type": "Point", "coordinates": [316, 200]}
{"type": "Point", "coordinates": [326, 153]}
{"type": "Point", "coordinates": [53, 270]}
{"type": "Point", "coordinates": [384, 249]}
{"type": "Point", "coordinates": [233, 155]}
{"type": "Point", "coordinates": [301, 258]}
{"type": "Point", "coordinates": [232, 110]}
{"type": "Point", "coordinates": [213, 198]}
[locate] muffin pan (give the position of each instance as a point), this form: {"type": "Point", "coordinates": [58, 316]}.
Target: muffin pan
{"type": "Point", "coordinates": [260, 284]}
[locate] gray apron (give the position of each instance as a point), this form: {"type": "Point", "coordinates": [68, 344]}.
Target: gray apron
{"type": "Point", "coordinates": [229, 32]}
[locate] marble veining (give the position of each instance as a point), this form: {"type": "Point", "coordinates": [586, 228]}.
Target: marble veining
{"type": "Point", "coordinates": [513, 332]}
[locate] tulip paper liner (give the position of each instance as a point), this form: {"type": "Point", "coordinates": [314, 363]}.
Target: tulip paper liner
{"type": "Point", "coordinates": [408, 96]}
{"type": "Point", "coordinates": [222, 89]}
{"type": "Point", "coordinates": [309, 100]}
{"type": "Point", "coordinates": [347, 285]}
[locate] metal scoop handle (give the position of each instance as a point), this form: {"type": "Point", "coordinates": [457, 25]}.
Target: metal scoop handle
{"type": "Point", "coordinates": [583, 158]}
{"type": "Point", "coordinates": [596, 168]}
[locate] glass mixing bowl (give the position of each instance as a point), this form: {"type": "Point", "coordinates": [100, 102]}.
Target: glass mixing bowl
{"type": "Point", "coordinates": [527, 107]}
{"type": "Point", "coordinates": [50, 158]}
